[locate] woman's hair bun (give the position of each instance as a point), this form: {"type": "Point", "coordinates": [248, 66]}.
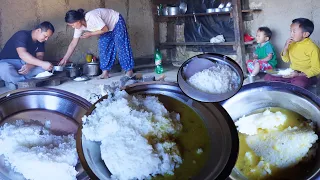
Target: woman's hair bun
{"type": "Point", "coordinates": [81, 11]}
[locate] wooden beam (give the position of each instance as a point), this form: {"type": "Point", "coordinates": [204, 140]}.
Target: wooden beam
{"type": "Point", "coordinates": [171, 34]}
{"type": "Point", "coordinates": [238, 33]}
{"type": "Point", "coordinates": [245, 4]}
{"type": "Point", "coordinates": [164, 1]}
{"type": "Point", "coordinates": [156, 26]}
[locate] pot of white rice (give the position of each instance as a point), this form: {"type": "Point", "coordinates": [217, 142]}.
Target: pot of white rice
{"type": "Point", "coordinates": [210, 77]}
{"type": "Point", "coordinates": [129, 156]}
{"type": "Point", "coordinates": [37, 129]}
{"type": "Point", "coordinates": [279, 127]}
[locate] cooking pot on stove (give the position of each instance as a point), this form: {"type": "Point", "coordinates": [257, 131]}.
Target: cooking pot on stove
{"type": "Point", "coordinates": [73, 71]}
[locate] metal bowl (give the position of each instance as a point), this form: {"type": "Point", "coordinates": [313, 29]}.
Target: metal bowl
{"type": "Point", "coordinates": [172, 10]}
{"type": "Point", "coordinates": [199, 63]}
{"type": "Point", "coordinates": [226, 9]}
{"type": "Point", "coordinates": [165, 11]}
{"type": "Point", "coordinates": [58, 68]}
{"type": "Point", "coordinates": [259, 95]}
{"type": "Point", "coordinates": [222, 132]}
{"type": "Point", "coordinates": [183, 7]}
{"type": "Point", "coordinates": [63, 109]}
{"type": "Point", "coordinates": [213, 10]}
{"type": "Point", "coordinates": [73, 71]}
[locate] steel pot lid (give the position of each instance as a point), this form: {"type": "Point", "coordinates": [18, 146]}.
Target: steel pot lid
{"type": "Point", "coordinates": [258, 95]}
{"type": "Point", "coordinates": [224, 142]}
{"type": "Point", "coordinates": [93, 63]}
{"type": "Point", "coordinates": [205, 61]}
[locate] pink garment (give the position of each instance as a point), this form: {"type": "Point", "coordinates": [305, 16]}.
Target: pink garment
{"type": "Point", "coordinates": [301, 81]}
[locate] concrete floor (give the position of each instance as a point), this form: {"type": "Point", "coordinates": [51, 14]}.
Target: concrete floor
{"type": "Point", "coordinates": [84, 88]}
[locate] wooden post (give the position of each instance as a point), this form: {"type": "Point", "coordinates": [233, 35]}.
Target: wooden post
{"type": "Point", "coordinates": [156, 25]}
{"type": "Point", "coordinates": [238, 33]}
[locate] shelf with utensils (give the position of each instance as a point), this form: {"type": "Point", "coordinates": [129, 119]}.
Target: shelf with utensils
{"type": "Point", "coordinates": [201, 44]}
{"type": "Point", "coordinates": [162, 18]}
{"type": "Point", "coordinates": [239, 12]}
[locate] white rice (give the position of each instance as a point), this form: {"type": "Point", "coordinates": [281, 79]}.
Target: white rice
{"type": "Point", "coordinates": [217, 79]}
{"type": "Point", "coordinates": [199, 151]}
{"type": "Point", "coordinates": [285, 72]}
{"type": "Point", "coordinates": [44, 74]}
{"type": "Point", "coordinates": [30, 149]}
{"type": "Point", "coordinates": [267, 120]}
{"type": "Point", "coordinates": [121, 123]}
{"type": "Point", "coordinates": [283, 148]}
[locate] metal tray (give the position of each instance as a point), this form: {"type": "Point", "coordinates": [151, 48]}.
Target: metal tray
{"type": "Point", "coordinates": [278, 94]}
{"type": "Point", "coordinates": [224, 142]}
{"type": "Point", "coordinates": [199, 63]}
{"type": "Point", "coordinates": [63, 109]}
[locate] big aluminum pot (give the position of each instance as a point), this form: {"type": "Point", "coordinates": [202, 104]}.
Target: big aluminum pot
{"type": "Point", "coordinates": [63, 109]}
{"type": "Point", "coordinates": [91, 69]}
{"type": "Point", "coordinates": [172, 10]}
{"type": "Point", "coordinates": [222, 132]}
{"type": "Point", "coordinates": [276, 94]}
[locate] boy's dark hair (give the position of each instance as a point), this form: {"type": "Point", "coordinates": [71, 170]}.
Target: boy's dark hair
{"type": "Point", "coordinates": [305, 24]}
{"type": "Point", "coordinates": [267, 32]}
{"type": "Point", "coordinates": [45, 26]}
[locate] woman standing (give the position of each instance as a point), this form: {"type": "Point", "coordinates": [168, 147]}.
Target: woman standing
{"type": "Point", "coordinates": [111, 27]}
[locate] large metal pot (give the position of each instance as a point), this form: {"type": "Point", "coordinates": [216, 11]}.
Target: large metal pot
{"type": "Point", "coordinates": [172, 10]}
{"type": "Point", "coordinates": [91, 69]}
{"type": "Point", "coordinates": [73, 71]}
{"type": "Point", "coordinates": [275, 94]}
{"type": "Point", "coordinates": [222, 132]}
{"type": "Point", "coordinates": [165, 11]}
{"type": "Point", "coordinates": [62, 108]}
{"type": "Point", "coordinates": [212, 10]}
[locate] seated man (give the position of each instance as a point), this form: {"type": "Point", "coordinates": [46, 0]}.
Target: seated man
{"type": "Point", "coordinates": [303, 54]}
{"type": "Point", "coordinates": [22, 56]}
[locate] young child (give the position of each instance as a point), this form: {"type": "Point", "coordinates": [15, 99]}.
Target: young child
{"type": "Point", "coordinates": [264, 56]}
{"type": "Point", "coordinates": [302, 53]}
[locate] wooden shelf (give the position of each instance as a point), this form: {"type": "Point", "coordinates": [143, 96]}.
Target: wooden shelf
{"type": "Point", "coordinates": [202, 44]}
{"type": "Point", "coordinates": [237, 14]}
{"type": "Point", "coordinates": [164, 1]}
{"type": "Point", "coordinates": [251, 10]}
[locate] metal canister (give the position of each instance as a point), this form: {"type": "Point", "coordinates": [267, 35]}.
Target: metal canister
{"type": "Point", "coordinates": [92, 69]}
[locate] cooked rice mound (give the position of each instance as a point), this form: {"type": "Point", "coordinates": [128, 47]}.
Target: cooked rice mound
{"type": "Point", "coordinates": [134, 133]}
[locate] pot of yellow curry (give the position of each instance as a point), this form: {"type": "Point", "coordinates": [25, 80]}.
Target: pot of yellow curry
{"type": "Point", "coordinates": [278, 127]}
{"type": "Point", "coordinates": [207, 142]}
